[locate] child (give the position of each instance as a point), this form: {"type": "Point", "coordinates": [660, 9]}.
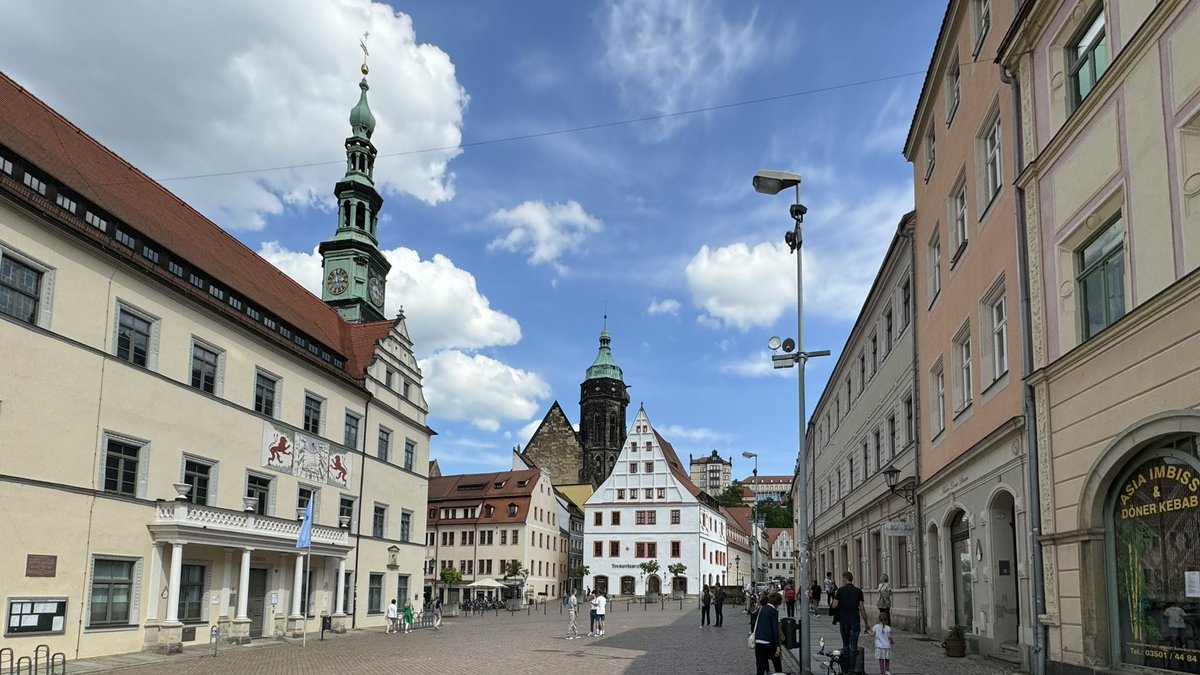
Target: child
{"type": "Point", "coordinates": [882, 633]}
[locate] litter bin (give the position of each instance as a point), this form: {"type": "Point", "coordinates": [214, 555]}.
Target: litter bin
{"type": "Point", "coordinates": [790, 627]}
{"type": "Point", "coordinates": [326, 622]}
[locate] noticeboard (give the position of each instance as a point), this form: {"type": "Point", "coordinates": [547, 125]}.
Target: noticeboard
{"type": "Point", "coordinates": [26, 616]}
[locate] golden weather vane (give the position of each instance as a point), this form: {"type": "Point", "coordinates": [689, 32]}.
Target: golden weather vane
{"type": "Point", "coordinates": [363, 45]}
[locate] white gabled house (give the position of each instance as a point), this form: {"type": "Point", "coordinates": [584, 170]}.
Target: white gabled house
{"type": "Point", "coordinates": [648, 509]}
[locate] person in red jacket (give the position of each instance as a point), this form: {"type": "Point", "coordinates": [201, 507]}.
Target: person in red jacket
{"type": "Point", "coordinates": [789, 598]}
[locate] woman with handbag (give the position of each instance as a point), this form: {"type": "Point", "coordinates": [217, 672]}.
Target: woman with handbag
{"type": "Point", "coordinates": [884, 597]}
{"type": "Point", "coordinates": [764, 638]}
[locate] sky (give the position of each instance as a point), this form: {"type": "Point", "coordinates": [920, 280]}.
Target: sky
{"type": "Point", "coordinates": [543, 164]}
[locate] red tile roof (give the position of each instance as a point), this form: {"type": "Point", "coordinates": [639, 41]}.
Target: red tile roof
{"type": "Point", "coordinates": [59, 149]}
{"type": "Point", "coordinates": [479, 489]}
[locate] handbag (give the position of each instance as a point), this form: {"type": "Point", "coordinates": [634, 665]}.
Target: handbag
{"type": "Point", "coordinates": [750, 639]}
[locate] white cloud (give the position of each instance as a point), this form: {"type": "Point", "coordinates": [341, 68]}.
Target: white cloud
{"type": "Point", "coordinates": [480, 390]}
{"type": "Point", "coordinates": [220, 86]}
{"type": "Point", "coordinates": [745, 287]}
{"type": "Point", "coordinates": [526, 432]}
{"type": "Point", "coordinates": [755, 365]}
{"type": "Point", "coordinates": [668, 306]}
{"type": "Point", "coordinates": [545, 231]}
{"type": "Point", "coordinates": [740, 286]}
{"type": "Point", "coordinates": [675, 55]}
{"type": "Point", "coordinates": [694, 435]}
{"type": "Point", "coordinates": [444, 307]}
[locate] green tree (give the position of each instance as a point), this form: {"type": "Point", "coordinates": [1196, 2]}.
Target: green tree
{"type": "Point", "coordinates": [451, 577]}
{"type": "Point", "coordinates": [581, 572]}
{"type": "Point", "coordinates": [512, 569]}
{"type": "Point", "coordinates": [732, 496]}
{"type": "Point", "coordinates": [649, 567]}
{"type": "Point", "coordinates": [676, 569]}
{"type": "Point", "coordinates": [775, 514]}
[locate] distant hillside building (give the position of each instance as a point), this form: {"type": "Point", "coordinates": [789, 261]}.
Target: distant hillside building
{"type": "Point", "coordinates": [588, 455]}
{"type": "Point", "coordinates": [712, 473]}
{"type": "Point", "coordinates": [778, 488]}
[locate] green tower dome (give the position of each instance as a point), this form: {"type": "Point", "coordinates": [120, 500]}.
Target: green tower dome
{"type": "Point", "coordinates": [361, 119]}
{"type": "Point", "coordinates": [604, 366]}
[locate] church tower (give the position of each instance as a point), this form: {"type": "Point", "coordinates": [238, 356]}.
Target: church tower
{"type": "Point", "coordinates": [602, 402]}
{"type": "Point", "coordinates": [355, 270]}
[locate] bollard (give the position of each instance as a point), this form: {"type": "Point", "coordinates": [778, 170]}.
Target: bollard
{"type": "Point", "coordinates": [544, 609]}
{"type": "Point", "coordinates": [662, 602]}
{"type": "Point", "coordinates": [214, 633]}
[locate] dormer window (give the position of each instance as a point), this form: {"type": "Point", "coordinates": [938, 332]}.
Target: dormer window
{"type": "Point", "coordinates": [500, 484]}
{"type": "Point", "coordinates": [512, 510]}
{"type": "Point", "coordinates": [522, 483]}
{"type": "Point", "coordinates": [488, 511]}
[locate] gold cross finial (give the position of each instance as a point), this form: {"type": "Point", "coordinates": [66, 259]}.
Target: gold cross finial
{"type": "Point", "coordinates": [363, 45]}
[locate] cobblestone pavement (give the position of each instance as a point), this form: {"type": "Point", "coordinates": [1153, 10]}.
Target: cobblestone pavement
{"type": "Point", "coordinates": [649, 641]}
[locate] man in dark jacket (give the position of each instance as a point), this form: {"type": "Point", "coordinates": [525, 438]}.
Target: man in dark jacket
{"type": "Point", "coordinates": [719, 603]}
{"type": "Point", "coordinates": [766, 636]}
{"type": "Point", "coordinates": [849, 607]}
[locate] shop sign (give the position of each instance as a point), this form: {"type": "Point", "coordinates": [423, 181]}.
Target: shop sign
{"type": "Point", "coordinates": [898, 528]}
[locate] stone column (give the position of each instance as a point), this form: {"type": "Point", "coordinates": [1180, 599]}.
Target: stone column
{"type": "Point", "coordinates": [340, 621]}
{"type": "Point", "coordinates": [240, 626]}
{"type": "Point", "coordinates": [295, 621]}
{"type": "Point", "coordinates": [156, 572]}
{"type": "Point", "coordinates": [170, 634]}
{"type": "Point", "coordinates": [226, 580]}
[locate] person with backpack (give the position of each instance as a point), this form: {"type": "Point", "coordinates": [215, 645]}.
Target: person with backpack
{"type": "Point", "coordinates": [830, 587]}
{"type": "Point", "coordinates": [789, 599]}
{"type": "Point", "coordinates": [719, 603]}
{"type": "Point", "coordinates": [851, 615]}
{"type": "Point", "coordinates": [705, 602]}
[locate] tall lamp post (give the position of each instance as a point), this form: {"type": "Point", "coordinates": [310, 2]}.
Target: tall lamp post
{"type": "Point", "coordinates": [754, 525]}
{"type": "Point", "coordinates": [772, 183]}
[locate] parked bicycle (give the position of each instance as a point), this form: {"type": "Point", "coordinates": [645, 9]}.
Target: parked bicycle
{"type": "Point", "coordinates": [832, 663]}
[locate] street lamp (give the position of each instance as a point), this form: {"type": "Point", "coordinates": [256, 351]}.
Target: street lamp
{"type": "Point", "coordinates": [892, 476]}
{"type": "Point", "coordinates": [737, 564]}
{"type": "Point", "coordinates": [772, 183]}
{"type": "Point", "coordinates": [753, 456]}
{"type": "Point", "coordinates": [754, 520]}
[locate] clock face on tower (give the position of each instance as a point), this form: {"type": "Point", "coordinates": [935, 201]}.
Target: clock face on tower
{"type": "Point", "coordinates": [375, 288]}
{"type": "Point", "coordinates": [338, 281]}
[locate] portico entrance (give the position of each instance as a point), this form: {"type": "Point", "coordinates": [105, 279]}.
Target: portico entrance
{"type": "Point", "coordinates": [257, 600]}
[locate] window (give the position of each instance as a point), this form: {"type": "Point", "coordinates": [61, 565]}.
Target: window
{"type": "Point", "coordinates": [633, 467]}
{"type": "Point", "coordinates": [862, 371]}
{"type": "Point", "coordinates": [661, 493]}
{"type": "Point", "coordinates": [123, 469]}
{"type": "Point", "coordinates": [503, 537]}
{"type": "Point", "coordinates": [937, 418]}
{"type": "Point", "coordinates": [197, 474]}
{"type": "Point", "coordinates": [34, 184]}
{"type": "Point", "coordinates": [125, 238]}
{"type": "Point", "coordinates": [1087, 58]}
{"type": "Point", "coordinates": [350, 433]}
{"type": "Point", "coordinates": [958, 216]}
{"type": "Point", "coordinates": [205, 363]}
{"type": "Point", "coordinates": [191, 592]}
{"type": "Point", "coordinates": [615, 517]}
{"type": "Point", "coordinates": [405, 525]}
{"type": "Point", "coordinates": [6, 166]}
{"type": "Point", "coordinates": [648, 467]}
{"type": "Point", "coordinates": [133, 337]}
{"type": "Point", "coordinates": [1102, 279]}
{"type": "Point", "coordinates": [20, 289]}
{"type": "Point", "coordinates": [874, 353]}
{"type": "Point", "coordinates": [266, 390]}
{"type": "Point", "coordinates": [512, 512]}
{"type": "Point", "coordinates": [410, 449]}
{"type": "Point", "coordinates": [995, 317]}
{"type": "Point", "coordinates": [905, 303]}
{"type": "Point", "coordinates": [385, 444]}
{"type": "Point", "coordinates": [908, 420]}
{"type": "Point", "coordinates": [891, 437]}
{"type": "Point", "coordinates": [195, 279]}
{"type": "Point", "coordinates": [930, 153]}
{"type": "Point", "coordinates": [259, 487]}
{"type": "Point", "coordinates": [647, 549]}
{"type": "Point", "coordinates": [304, 495]}
{"type": "Point", "coordinates": [175, 268]}
{"type": "Point", "coordinates": [95, 221]}
{"type": "Point", "coordinates": [991, 174]}
{"type": "Point", "coordinates": [850, 467]}
{"type": "Point", "coordinates": [620, 493]}
{"type": "Point", "coordinates": [935, 266]}
{"type": "Point", "coordinates": [675, 552]}
{"type": "Point", "coordinates": [953, 88]}
{"type": "Point", "coordinates": [983, 23]}
{"type": "Point", "coordinates": [150, 253]}
{"type": "Point", "coordinates": [648, 493]}
{"type": "Point", "coordinates": [902, 562]}
{"type": "Point", "coordinates": [375, 593]}
{"type": "Point", "coordinates": [887, 330]}
{"type": "Point", "coordinates": [879, 459]}
{"type": "Point", "coordinates": [65, 203]}
{"type": "Point", "coordinates": [112, 598]}
{"type": "Point", "coordinates": [406, 390]}
{"type": "Point", "coordinates": [614, 549]}
{"type": "Point", "coordinates": [597, 549]}
{"type": "Point", "coordinates": [379, 521]}
{"type": "Point", "coordinates": [963, 366]}
{"type": "Point", "coordinates": [312, 413]}
{"type": "Point", "coordinates": [219, 293]}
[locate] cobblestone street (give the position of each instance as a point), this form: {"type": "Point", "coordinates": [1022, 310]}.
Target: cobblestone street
{"type": "Point", "coordinates": [639, 641]}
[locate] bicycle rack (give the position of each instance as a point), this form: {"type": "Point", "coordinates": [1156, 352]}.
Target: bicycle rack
{"type": "Point", "coordinates": [42, 661]}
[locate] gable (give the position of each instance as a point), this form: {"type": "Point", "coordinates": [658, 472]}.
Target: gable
{"type": "Point", "coordinates": [555, 447]}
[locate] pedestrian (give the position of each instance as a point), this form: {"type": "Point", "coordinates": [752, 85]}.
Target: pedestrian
{"type": "Point", "coordinates": [883, 600]}
{"type": "Point", "coordinates": [882, 632]}
{"type": "Point", "coordinates": [814, 597]}
{"type": "Point", "coordinates": [705, 601]}
{"type": "Point", "coordinates": [408, 615]}
{"type": "Point", "coordinates": [391, 617]}
{"type": "Point", "coordinates": [848, 603]}
{"type": "Point", "coordinates": [789, 597]}
{"type": "Point", "coordinates": [830, 588]}
{"type": "Point", "coordinates": [437, 613]}
{"type": "Point", "coordinates": [572, 608]}
{"type": "Point", "coordinates": [592, 626]}
{"type": "Point", "coordinates": [766, 636]}
{"type": "Point", "coordinates": [752, 610]}
{"type": "Point", "coordinates": [719, 603]}
{"type": "Point", "coordinates": [601, 605]}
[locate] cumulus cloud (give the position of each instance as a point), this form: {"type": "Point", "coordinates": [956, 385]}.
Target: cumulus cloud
{"type": "Point", "coordinates": [693, 435]}
{"type": "Point", "coordinates": [444, 307]}
{"type": "Point", "coordinates": [235, 88]}
{"type": "Point", "coordinates": [675, 55]}
{"type": "Point", "coordinates": [480, 390]}
{"type": "Point", "coordinates": [668, 306]}
{"type": "Point", "coordinates": [544, 231]}
{"type": "Point", "coordinates": [743, 286]}
{"type": "Point", "coordinates": [755, 365]}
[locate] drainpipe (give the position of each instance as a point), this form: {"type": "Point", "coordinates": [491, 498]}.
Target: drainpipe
{"type": "Point", "coordinates": [1033, 487]}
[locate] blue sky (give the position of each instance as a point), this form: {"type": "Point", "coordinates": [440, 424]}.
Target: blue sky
{"type": "Point", "coordinates": [507, 255]}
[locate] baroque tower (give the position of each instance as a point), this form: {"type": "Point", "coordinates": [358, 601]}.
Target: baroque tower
{"type": "Point", "coordinates": [603, 399]}
{"type": "Point", "coordinates": [355, 270]}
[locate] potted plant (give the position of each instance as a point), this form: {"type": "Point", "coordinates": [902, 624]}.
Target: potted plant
{"type": "Point", "coordinates": [956, 642]}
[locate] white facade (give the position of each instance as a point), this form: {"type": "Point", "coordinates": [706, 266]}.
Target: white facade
{"type": "Point", "coordinates": [782, 563]}
{"type": "Point", "coordinates": [648, 510]}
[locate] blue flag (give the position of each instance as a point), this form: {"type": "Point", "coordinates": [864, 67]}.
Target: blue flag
{"type": "Point", "coordinates": [305, 538]}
